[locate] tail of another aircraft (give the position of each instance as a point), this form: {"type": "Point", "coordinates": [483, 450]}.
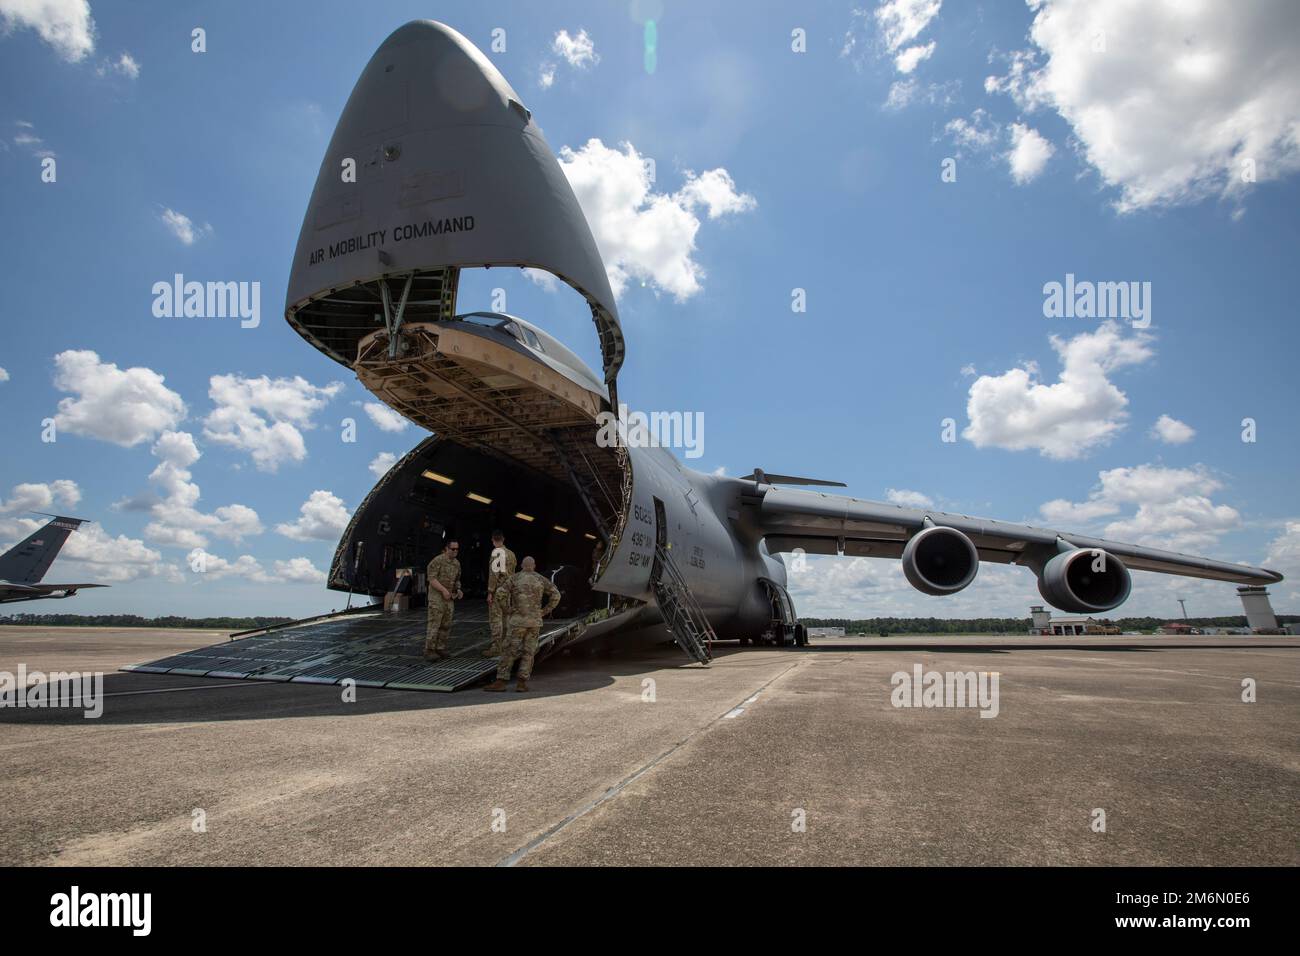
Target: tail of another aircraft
{"type": "Point", "coordinates": [27, 561]}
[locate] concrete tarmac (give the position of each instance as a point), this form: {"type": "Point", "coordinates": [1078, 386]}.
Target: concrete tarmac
{"type": "Point", "coordinates": [792, 756]}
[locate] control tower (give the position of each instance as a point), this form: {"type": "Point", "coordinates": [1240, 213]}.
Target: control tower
{"type": "Point", "coordinates": [1259, 610]}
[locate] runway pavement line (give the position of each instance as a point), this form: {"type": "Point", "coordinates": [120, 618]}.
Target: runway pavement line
{"type": "Point", "coordinates": [619, 787]}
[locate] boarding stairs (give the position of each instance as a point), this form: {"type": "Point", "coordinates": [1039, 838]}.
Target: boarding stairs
{"type": "Point", "coordinates": [683, 615]}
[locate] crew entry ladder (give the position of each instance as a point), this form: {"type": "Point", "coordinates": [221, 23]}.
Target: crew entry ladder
{"type": "Point", "coordinates": [683, 615]}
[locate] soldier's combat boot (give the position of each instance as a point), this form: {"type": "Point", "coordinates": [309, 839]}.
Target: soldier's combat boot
{"type": "Point", "coordinates": [497, 684]}
{"type": "Point", "coordinates": [522, 686]}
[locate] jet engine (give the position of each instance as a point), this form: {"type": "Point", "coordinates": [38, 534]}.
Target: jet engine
{"type": "Point", "coordinates": [1084, 581]}
{"type": "Point", "coordinates": [940, 560]}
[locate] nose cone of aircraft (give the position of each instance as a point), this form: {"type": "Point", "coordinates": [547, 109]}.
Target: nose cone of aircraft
{"type": "Point", "coordinates": [428, 76]}
{"type": "Point", "coordinates": [435, 165]}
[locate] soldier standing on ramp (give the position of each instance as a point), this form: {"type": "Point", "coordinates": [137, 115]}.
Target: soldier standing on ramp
{"type": "Point", "coordinates": [500, 566]}
{"type": "Point", "coordinates": [522, 595]}
{"type": "Point", "coordinates": [443, 576]}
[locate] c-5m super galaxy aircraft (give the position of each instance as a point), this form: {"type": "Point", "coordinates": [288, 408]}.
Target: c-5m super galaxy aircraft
{"type": "Point", "coordinates": [23, 565]}
{"type": "Point", "coordinates": [451, 172]}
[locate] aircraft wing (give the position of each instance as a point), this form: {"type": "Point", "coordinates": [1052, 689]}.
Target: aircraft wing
{"type": "Point", "coordinates": [832, 524]}
{"type": "Point", "coordinates": [10, 592]}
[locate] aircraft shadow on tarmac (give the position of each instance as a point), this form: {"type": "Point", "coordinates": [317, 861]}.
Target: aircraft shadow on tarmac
{"type": "Point", "coordinates": [131, 698]}
{"type": "Point", "coordinates": [164, 698]}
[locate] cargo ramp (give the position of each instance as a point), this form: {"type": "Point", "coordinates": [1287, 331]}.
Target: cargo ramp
{"type": "Point", "coordinates": [373, 648]}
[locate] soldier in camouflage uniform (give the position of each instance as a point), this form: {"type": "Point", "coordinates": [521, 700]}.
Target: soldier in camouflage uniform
{"type": "Point", "coordinates": [501, 565]}
{"type": "Point", "coordinates": [522, 595]}
{"type": "Point", "coordinates": [443, 576]}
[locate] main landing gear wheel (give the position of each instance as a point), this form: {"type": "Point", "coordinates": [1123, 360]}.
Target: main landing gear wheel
{"type": "Point", "coordinates": [800, 635]}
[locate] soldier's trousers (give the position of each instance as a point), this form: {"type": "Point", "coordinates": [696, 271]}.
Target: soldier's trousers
{"type": "Point", "coordinates": [520, 645]}
{"type": "Point", "coordinates": [438, 626]}
{"type": "Point", "coordinates": [497, 620]}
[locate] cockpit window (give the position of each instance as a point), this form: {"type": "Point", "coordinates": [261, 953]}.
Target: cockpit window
{"type": "Point", "coordinates": [494, 321]}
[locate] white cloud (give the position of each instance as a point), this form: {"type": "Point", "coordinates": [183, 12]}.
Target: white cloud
{"type": "Point", "coordinates": [969, 371]}
{"type": "Point", "coordinates": [542, 278]}
{"type": "Point", "coordinates": [112, 560]}
{"type": "Point", "coordinates": [182, 227]}
{"type": "Point", "coordinates": [176, 521]}
{"type": "Point", "coordinates": [123, 407]}
{"type": "Point", "coordinates": [323, 517]}
{"type": "Point", "coordinates": [1068, 418]}
{"type": "Point", "coordinates": [1171, 431]}
{"type": "Point", "coordinates": [1168, 101]}
{"type": "Point", "coordinates": [213, 567]}
{"type": "Point", "coordinates": [902, 21]}
{"type": "Point", "coordinates": [908, 499]}
{"type": "Point", "coordinates": [263, 416]}
{"type": "Point", "coordinates": [1171, 508]}
{"type": "Point", "coordinates": [385, 418]}
{"type": "Point", "coordinates": [578, 51]}
{"type": "Point", "coordinates": [4, 376]}
{"type": "Point", "coordinates": [897, 24]}
{"type": "Point", "coordinates": [909, 59]}
{"type": "Point", "coordinates": [42, 496]}
{"type": "Point", "coordinates": [901, 93]}
{"type": "Point", "coordinates": [125, 65]}
{"type": "Point", "coordinates": [978, 133]}
{"type": "Point", "coordinates": [1029, 153]}
{"type": "Point", "coordinates": [904, 92]}
{"type": "Point", "coordinates": [381, 463]}
{"type": "Point", "coordinates": [299, 571]}
{"type": "Point", "coordinates": [643, 235]}
{"type": "Point", "coordinates": [1284, 556]}
{"type": "Point", "coordinates": [65, 25]}
{"type": "Point", "coordinates": [27, 138]}
{"type": "Point", "coordinates": [715, 190]}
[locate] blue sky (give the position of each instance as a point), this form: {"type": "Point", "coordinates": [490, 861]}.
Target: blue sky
{"type": "Point", "coordinates": [1092, 140]}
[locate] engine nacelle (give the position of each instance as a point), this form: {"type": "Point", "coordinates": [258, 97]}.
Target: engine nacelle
{"type": "Point", "coordinates": [1085, 581]}
{"type": "Point", "coordinates": [940, 560]}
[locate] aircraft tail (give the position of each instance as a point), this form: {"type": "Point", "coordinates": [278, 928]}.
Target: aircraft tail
{"type": "Point", "coordinates": [28, 560]}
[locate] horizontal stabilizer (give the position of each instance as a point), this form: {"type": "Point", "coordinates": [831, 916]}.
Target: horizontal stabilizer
{"type": "Point", "coordinates": [763, 478]}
